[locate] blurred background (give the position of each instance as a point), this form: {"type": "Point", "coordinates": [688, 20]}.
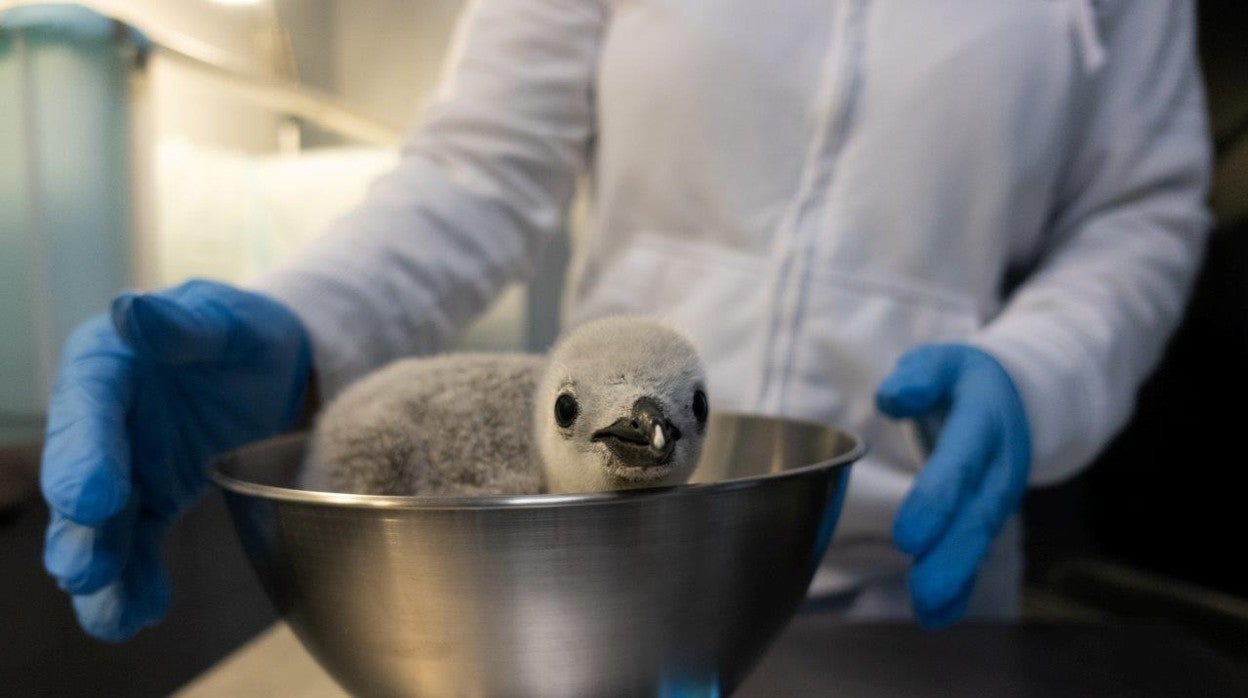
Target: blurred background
{"type": "Point", "coordinates": [143, 142]}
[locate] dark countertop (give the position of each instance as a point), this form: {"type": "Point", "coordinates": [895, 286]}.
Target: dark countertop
{"type": "Point", "coordinates": [817, 655]}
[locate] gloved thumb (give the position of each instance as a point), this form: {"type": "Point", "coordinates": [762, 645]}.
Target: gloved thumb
{"type": "Point", "coordinates": [921, 381]}
{"type": "Point", "coordinates": [179, 326]}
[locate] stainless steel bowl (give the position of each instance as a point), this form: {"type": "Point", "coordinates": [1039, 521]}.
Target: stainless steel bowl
{"type": "Point", "coordinates": [648, 592]}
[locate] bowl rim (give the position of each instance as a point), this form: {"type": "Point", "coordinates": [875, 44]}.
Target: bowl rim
{"type": "Point", "coordinates": [236, 485]}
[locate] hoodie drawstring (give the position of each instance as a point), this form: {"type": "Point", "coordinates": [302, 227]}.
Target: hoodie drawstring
{"type": "Point", "coordinates": [1090, 46]}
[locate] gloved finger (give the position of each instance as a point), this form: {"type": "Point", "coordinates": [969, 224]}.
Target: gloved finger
{"type": "Point", "coordinates": [921, 382]}
{"type": "Point", "coordinates": [938, 578]}
{"type": "Point", "coordinates": [136, 600]}
{"type": "Point", "coordinates": [86, 455]}
{"type": "Point", "coordinates": [937, 618]}
{"type": "Point", "coordinates": [172, 327]}
{"type": "Point", "coordinates": [1001, 492]}
{"type": "Point", "coordinates": [85, 559]}
{"type": "Point", "coordinates": [965, 446]}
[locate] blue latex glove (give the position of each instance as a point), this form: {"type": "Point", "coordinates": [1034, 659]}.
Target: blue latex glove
{"type": "Point", "coordinates": [143, 399]}
{"type": "Point", "coordinates": [974, 479]}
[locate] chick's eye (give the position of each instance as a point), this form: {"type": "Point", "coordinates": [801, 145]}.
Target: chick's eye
{"type": "Point", "coordinates": [700, 408]}
{"type": "Point", "coordinates": [566, 410]}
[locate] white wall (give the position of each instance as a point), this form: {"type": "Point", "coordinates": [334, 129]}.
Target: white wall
{"type": "Point", "coordinates": [230, 29]}
{"type": "Point", "coordinates": [388, 53]}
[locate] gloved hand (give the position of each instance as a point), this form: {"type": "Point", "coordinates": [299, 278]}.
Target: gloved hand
{"type": "Point", "coordinates": [974, 479]}
{"type": "Point", "coordinates": [143, 399]}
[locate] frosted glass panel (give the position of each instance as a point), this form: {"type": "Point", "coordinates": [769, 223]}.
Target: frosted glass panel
{"type": "Point", "coordinates": [231, 216]}
{"type": "Point", "coordinates": [64, 202]}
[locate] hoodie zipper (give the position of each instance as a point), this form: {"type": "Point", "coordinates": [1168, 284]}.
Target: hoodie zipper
{"type": "Point", "coordinates": [797, 233]}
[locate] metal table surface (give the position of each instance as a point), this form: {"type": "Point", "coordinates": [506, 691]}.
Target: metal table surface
{"type": "Point", "coordinates": [818, 655]}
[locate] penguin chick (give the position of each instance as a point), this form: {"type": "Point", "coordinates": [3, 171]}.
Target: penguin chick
{"type": "Point", "coordinates": [618, 403]}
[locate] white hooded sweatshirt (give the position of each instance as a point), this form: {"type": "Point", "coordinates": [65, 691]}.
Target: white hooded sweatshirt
{"type": "Point", "coordinates": [809, 188]}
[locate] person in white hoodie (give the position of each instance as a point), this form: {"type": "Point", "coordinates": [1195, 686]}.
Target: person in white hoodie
{"type": "Point", "coordinates": [1009, 195]}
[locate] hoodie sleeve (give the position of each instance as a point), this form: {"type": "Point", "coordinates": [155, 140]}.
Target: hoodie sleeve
{"type": "Point", "coordinates": [479, 188]}
{"type": "Point", "coordinates": [1081, 333]}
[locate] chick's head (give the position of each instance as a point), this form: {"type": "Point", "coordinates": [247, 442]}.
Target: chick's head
{"type": "Point", "coordinates": [622, 404]}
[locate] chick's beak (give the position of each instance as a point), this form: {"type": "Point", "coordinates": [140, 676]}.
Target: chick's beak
{"type": "Point", "coordinates": [645, 437]}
